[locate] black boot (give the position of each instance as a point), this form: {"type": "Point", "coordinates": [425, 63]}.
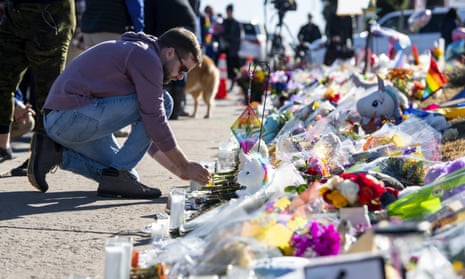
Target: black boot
{"type": "Point", "coordinates": [45, 155]}
{"type": "Point", "coordinates": [121, 183]}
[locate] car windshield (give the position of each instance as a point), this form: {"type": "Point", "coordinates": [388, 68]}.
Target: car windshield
{"type": "Point", "coordinates": [433, 25]}
{"type": "Point", "coordinates": [249, 29]}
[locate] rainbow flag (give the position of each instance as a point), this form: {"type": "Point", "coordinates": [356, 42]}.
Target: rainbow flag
{"type": "Point", "coordinates": [434, 80]}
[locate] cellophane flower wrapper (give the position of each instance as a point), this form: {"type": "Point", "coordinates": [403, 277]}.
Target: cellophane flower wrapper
{"type": "Point", "coordinates": [273, 124]}
{"type": "Point", "coordinates": [439, 169]}
{"type": "Point", "coordinates": [282, 216]}
{"type": "Point", "coordinates": [265, 233]}
{"type": "Point", "coordinates": [424, 135]}
{"type": "Point", "coordinates": [319, 111]}
{"type": "Point", "coordinates": [429, 199]}
{"type": "Point", "coordinates": [432, 263]}
{"type": "Point", "coordinates": [412, 136]}
{"type": "Point", "coordinates": [206, 223]}
{"type": "Point", "coordinates": [176, 253]}
{"type": "Point", "coordinates": [409, 170]}
{"type": "Point", "coordinates": [309, 95]}
{"type": "Point", "coordinates": [224, 251]}
{"type": "Point", "coordinates": [237, 210]}
{"type": "Point", "coordinates": [451, 243]}
{"type": "Point", "coordinates": [452, 211]}
{"type": "Point", "coordinates": [288, 148]}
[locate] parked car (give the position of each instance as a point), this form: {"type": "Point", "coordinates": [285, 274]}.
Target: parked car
{"type": "Point", "coordinates": [423, 39]}
{"type": "Point", "coordinates": [254, 41]}
{"type": "Point", "coordinates": [312, 53]}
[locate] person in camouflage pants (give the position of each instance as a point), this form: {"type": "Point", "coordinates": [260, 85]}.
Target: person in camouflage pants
{"type": "Point", "coordinates": [34, 34]}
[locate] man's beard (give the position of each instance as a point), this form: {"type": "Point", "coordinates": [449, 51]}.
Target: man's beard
{"type": "Point", "coordinates": [165, 75]}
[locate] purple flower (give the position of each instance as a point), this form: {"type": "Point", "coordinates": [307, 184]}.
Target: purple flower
{"type": "Point", "coordinates": [316, 239]}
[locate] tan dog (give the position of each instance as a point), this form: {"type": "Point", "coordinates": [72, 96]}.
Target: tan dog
{"type": "Point", "coordinates": [203, 81]}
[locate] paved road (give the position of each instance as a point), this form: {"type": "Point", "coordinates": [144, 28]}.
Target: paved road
{"type": "Point", "coordinates": [63, 232]}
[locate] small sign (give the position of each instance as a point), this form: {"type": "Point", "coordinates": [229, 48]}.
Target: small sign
{"type": "Point", "coordinates": [349, 266]}
{"type": "Point", "coordinates": [354, 7]}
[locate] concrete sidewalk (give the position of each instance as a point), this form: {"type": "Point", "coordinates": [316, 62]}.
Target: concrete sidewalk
{"type": "Point", "coordinates": [63, 232]}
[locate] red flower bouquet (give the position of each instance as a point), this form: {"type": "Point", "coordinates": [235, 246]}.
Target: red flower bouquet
{"type": "Point", "coordinates": [355, 189]}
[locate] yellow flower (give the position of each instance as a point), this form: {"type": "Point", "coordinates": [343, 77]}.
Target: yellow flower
{"type": "Point", "coordinates": [400, 74]}
{"type": "Point", "coordinates": [323, 191]}
{"type": "Point", "coordinates": [337, 199]}
{"type": "Point", "coordinates": [260, 76]}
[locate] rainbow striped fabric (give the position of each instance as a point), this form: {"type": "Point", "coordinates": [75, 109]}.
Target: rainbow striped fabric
{"type": "Point", "coordinates": [434, 80]}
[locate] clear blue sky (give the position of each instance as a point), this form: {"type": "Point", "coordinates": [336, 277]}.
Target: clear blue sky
{"type": "Point", "coordinates": [255, 9]}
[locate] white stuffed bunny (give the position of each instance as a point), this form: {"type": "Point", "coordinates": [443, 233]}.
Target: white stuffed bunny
{"type": "Point", "coordinates": [259, 147]}
{"type": "Point", "coordinates": [383, 104]}
{"type": "Point", "coordinates": [255, 173]}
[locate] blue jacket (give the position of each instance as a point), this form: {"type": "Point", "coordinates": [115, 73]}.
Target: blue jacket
{"type": "Point", "coordinates": [113, 16]}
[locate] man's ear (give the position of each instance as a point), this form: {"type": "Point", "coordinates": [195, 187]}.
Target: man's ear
{"type": "Point", "coordinates": [170, 51]}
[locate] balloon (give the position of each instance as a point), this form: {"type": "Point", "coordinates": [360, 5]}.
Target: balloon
{"type": "Point", "coordinates": [419, 19]}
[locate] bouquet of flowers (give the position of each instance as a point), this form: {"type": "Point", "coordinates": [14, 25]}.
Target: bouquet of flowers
{"type": "Point", "coordinates": [402, 79]}
{"type": "Point", "coordinates": [356, 189]}
{"type": "Point", "coordinates": [257, 84]}
{"type": "Point", "coordinates": [316, 240]}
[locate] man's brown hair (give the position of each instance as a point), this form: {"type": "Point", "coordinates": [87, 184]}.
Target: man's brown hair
{"type": "Point", "coordinates": [184, 41]}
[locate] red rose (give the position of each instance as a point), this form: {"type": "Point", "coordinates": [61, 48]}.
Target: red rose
{"type": "Point", "coordinates": [370, 188]}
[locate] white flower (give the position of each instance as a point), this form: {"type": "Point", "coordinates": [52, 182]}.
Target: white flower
{"type": "Point", "coordinates": [333, 182]}
{"type": "Point", "coordinates": [349, 190]}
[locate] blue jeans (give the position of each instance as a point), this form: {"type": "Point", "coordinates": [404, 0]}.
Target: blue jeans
{"type": "Point", "coordinates": [86, 135]}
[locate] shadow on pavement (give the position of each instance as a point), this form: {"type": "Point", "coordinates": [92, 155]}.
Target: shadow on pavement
{"type": "Point", "coordinates": [20, 204]}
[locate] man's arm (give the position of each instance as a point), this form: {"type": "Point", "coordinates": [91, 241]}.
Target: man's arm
{"type": "Point", "coordinates": [177, 163]}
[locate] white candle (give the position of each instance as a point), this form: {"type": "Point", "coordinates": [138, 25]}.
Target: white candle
{"type": "Point", "coordinates": [177, 208]}
{"type": "Point", "coordinates": [118, 257]}
{"type": "Point", "coordinates": [113, 258]}
{"type": "Point", "coordinates": [126, 244]}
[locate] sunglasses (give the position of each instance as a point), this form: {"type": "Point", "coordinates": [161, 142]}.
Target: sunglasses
{"type": "Point", "coordinates": [183, 68]}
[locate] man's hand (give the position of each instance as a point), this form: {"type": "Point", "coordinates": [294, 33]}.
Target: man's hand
{"type": "Point", "coordinates": [22, 112]}
{"type": "Point", "coordinates": [187, 171]}
{"type": "Point", "coordinates": [196, 172]}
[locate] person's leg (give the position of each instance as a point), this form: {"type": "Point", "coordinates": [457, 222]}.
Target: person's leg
{"type": "Point", "coordinates": [90, 146]}
{"type": "Point", "coordinates": [27, 88]}
{"type": "Point", "coordinates": [176, 90]}
{"type": "Point", "coordinates": [236, 65]}
{"type": "Point", "coordinates": [50, 29]}
{"type": "Point", "coordinates": [13, 63]}
{"type": "Point", "coordinates": [47, 45]}
{"type": "Point", "coordinates": [90, 149]}
{"type": "Point", "coordinates": [230, 66]}
{"type": "Point", "coordinates": [101, 149]}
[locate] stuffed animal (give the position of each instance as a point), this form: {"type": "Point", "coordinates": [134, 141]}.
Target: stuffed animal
{"type": "Point", "coordinates": [357, 189]}
{"type": "Point", "coordinates": [382, 105]}
{"type": "Point", "coordinates": [256, 172]}
{"type": "Point", "coordinates": [273, 124]}
{"type": "Point", "coordinates": [259, 148]}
